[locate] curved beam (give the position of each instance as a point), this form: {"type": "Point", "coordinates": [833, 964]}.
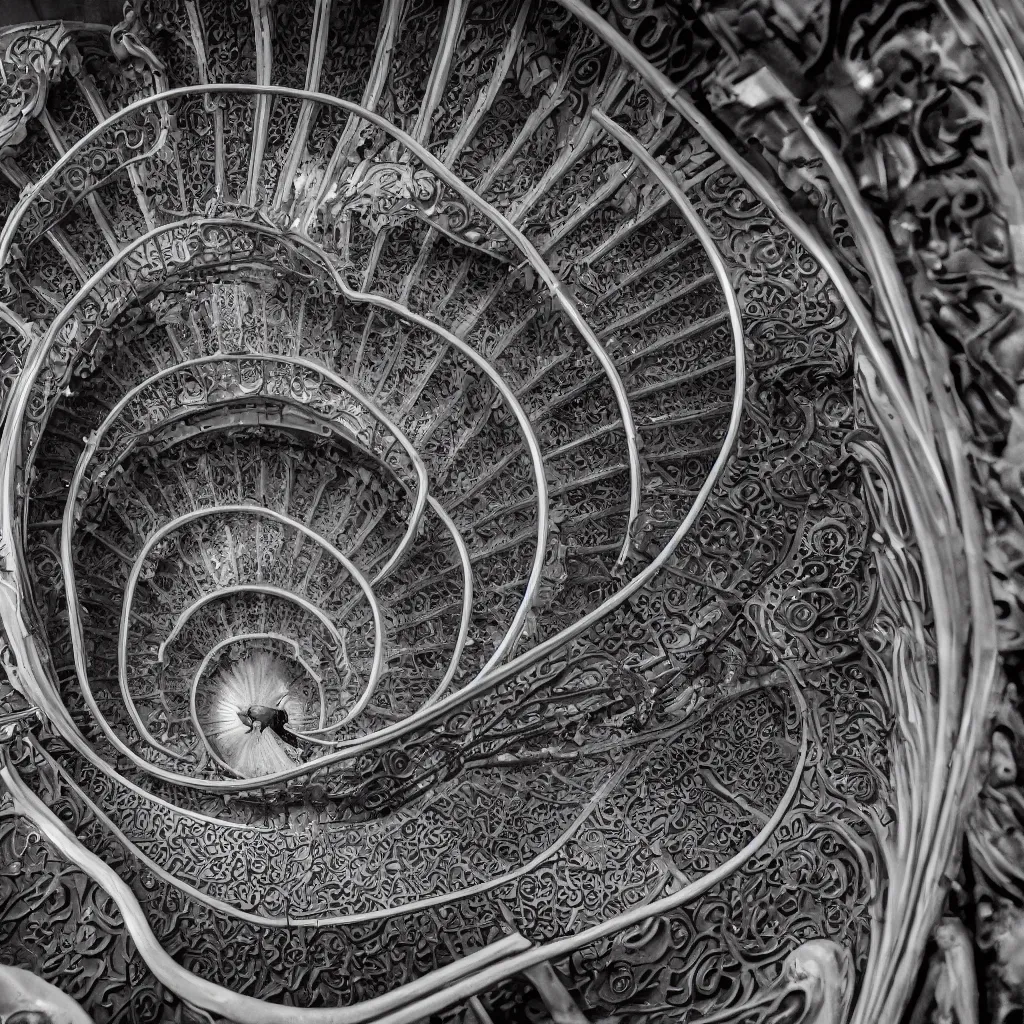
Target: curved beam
{"type": "Point", "coordinates": [339, 430]}
{"type": "Point", "coordinates": [457, 539]}
{"type": "Point", "coordinates": [418, 464]}
{"type": "Point", "coordinates": [266, 589]}
{"type": "Point", "coordinates": [260, 513]}
{"type": "Point", "coordinates": [436, 167]}
{"type": "Point", "coordinates": [372, 408]}
{"type": "Point", "coordinates": [518, 623]}
{"type": "Point", "coordinates": [222, 407]}
{"type": "Point", "coordinates": [467, 602]}
{"type": "Point", "coordinates": [402, 1006]}
{"type": "Point", "coordinates": [675, 96]}
{"type": "Point", "coordinates": [363, 917]}
{"type": "Point", "coordinates": [519, 663]}
{"type": "Point", "coordinates": [210, 996]}
{"type": "Point", "coordinates": [553, 643]}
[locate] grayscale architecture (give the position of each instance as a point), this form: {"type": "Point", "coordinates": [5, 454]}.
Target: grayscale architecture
{"type": "Point", "coordinates": [511, 511]}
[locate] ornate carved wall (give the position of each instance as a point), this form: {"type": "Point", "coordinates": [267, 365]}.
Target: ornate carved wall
{"type": "Point", "coordinates": [511, 510]}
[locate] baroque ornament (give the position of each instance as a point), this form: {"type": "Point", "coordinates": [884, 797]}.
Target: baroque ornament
{"type": "Point", "coordinates": [509, 511]}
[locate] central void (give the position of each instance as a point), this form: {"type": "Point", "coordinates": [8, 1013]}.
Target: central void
{"type": "Point", "coordinates": [255, 704]}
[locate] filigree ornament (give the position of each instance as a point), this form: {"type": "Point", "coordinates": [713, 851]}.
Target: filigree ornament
{"type": "Point", "coordinates": [381, 193]}
{"type": "Point", "coordinates": [448, 536]}
{"type": "Point", "coordinates": [31, 58]}
{"type": "Point", "coordinates": [385, 194]}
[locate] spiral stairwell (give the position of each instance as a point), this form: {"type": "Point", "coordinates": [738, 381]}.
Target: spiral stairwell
{"type": "Point", "coordinates": [448, 542]}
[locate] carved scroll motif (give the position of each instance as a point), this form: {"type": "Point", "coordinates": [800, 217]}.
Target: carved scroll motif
{"type": "Point", "coordinates": [31, 57]}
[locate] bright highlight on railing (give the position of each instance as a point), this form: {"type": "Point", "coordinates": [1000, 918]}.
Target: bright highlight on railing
{"type": "Point", "coordinates": [436, 502]}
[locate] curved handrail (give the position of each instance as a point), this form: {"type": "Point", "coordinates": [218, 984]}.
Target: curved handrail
{"type": "Point", "coordinates": [500, 673]}
{"type": "Point", "coordinates": [551, 280]}
{"type": "Point", "coordinates": [77, 640]}
{"type": "Point", "coordinates": [267, 590]}
{"type": "Point", "coordinates": [429, 992]}
{"type": "Point", "coordinates": [461, 548]}
{"type": "Point", "coordinates": [518, 623]}
{"type": "Point", "coordinates": [675, 96]}
{"type": "Point", "coordinates": [208, 994]}
{"type": "Point", "coordinates": [546, 647]}
{"type": "Point", "coordinates": [467, 602]}
{"type": "Point", "coordinates": [585, 622]}
{"type": "Point", "coordinates": [259, 512]}
{"type": "Point", "coordinates": [514, 631]}
{"type": "Point", "coordinates": [366, 916]}
{"type": "Point", "coordinates": [372, 408]}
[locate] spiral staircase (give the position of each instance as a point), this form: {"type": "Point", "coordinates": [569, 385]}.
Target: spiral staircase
{"type": "Point", "coordinates": [457, 561]}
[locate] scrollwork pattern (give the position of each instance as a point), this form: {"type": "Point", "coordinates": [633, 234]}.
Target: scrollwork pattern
{"type": "Point", "coordinates": [497, 378]}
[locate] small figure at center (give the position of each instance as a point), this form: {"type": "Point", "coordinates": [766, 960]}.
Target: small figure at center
{"type": "Point", "coordinates": [265, 717]}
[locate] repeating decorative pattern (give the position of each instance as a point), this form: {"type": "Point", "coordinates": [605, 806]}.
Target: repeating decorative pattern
{"type": "Point", "coordinates": [350, 337]}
